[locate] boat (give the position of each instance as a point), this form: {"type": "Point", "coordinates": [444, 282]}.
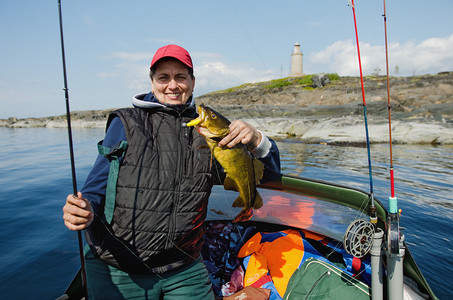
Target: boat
{"type": "Point", "coordinates": [328, 217]}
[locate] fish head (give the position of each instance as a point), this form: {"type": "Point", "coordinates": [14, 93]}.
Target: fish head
{"type": "Point", "coordinates": [212, 125]}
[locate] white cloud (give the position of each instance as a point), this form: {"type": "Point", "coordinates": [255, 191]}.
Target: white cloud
{"type": "Point", "coordinates": [213, 75]}
{"type": "Point", "coordinates": [130, 71]}
{"type": "Point", "coordinates": [431, 56]}
{"type": "Point", "coordinates": [340, 55]}
{"type": "Point", "coordinates": [134, 76]}
{"type": "Point", "coordinates": [428, 57]}
{"type": "Point", "coordinates": [211, 71]}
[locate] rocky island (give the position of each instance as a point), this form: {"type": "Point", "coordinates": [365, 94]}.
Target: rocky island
{"type": "Point", "coordinates": [322, 108]}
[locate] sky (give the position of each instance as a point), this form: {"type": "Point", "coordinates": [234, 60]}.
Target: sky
{"type": "Point", "coordinates": [109, 45]}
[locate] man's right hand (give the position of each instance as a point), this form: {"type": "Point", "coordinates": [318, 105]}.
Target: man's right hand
{"type": "Point", "coordinates": [77, 212]}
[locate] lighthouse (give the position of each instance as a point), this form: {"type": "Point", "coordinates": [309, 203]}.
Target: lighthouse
{"type": "Point", "coordinates": [296, 61]}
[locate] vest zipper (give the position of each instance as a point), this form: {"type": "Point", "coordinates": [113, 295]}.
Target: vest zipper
{"type": "Point", "coordinates": [179, 167]}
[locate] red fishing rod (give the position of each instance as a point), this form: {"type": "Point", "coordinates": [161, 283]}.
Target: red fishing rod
{"type": "Point", "coordinates": [71, 148]}
{"type": "Point", "coordinates": [373, 216]}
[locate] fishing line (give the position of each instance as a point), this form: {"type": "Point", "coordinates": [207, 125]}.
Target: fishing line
{"type": "Point", "coordinates": [261, 122]}
{"type": "Point", "coordinates": [276, 110]}
{"type": "Point", "coordinates": [124, 244]}
{"type": "Point", "coordinates": [71, 149]}
{"type": "Point", "coordinates": [248, 35]}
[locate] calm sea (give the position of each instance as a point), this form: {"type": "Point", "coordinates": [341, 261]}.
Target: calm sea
{"type": "Point", "coordinates": [39, 256]}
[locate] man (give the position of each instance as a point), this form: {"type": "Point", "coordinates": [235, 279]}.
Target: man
{"type": "Point", "coordinates": [144, 202]}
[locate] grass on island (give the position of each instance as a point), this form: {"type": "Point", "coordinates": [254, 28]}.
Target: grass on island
{"type": "Point", "coordinates": [304, 82]}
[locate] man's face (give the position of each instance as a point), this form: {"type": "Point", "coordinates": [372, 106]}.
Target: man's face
{"type": "Point", "coordinates": [172, 82]}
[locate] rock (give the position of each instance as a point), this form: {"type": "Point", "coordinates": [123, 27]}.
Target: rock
{"type": "Point", "coordinates": [80, 119]}
{"type": "Point", "coordinates": [12, 120]}
{"type": "Point", "coordinates": [325, 111]}
{"type": "Point", "coordinates": [408, 92]}
{"type": "Point", "coordinates": [320, 80]}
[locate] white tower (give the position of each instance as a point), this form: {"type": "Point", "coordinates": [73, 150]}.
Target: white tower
{"type": "Point", "coordinates": [296, 61]}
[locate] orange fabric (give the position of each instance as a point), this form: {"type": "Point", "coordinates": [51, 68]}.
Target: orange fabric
{"type": "Point", "coordinates": [280, 257]}
{"type": "Point", "coordinates": [313, 235]}
{"type": "Point", "coordinates": [258, 265]}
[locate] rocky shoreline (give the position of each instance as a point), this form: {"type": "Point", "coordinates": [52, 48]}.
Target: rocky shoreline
{"type": "Point", "coordinates": [321, 111]}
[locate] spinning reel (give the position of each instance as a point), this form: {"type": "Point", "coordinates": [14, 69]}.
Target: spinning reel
{"type": "Point", "coordinates": [358, 238]}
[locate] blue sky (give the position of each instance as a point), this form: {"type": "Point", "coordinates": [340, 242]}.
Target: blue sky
{"type": "Point", "coordinates": [109, 45]}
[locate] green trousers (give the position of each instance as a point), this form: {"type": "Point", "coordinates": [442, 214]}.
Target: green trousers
{"type": "Point", "coordinates": [107, 282]}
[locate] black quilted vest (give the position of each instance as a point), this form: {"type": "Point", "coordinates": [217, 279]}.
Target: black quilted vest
{"type": "Point", "coordinates": [164, 183]}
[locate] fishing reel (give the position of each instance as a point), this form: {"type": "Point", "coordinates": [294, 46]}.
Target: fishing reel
{"type": "Point", "coordinates": [358, 238]}
{"type": "Point", "coordinates": [393, 233]}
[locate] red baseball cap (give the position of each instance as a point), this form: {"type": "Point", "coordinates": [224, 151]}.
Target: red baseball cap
{"type": "Point", "coordinates": [174, 51]}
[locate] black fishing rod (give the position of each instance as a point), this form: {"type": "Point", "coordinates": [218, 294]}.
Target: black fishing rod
{"type": "Point", "coordinates": [71, 148]}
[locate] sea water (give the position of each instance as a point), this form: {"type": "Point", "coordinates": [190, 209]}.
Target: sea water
{"type": "Point", "coordinates": [39, 255]}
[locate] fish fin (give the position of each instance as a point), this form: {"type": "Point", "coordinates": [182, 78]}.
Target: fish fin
{"type": "Point", "coordinates": [244, 215]}
{"type": "Point", "coordinates": [258, 201]}
{"type": "Point", "coordinates": [230, 184]}
{"type": "Point", "coordinates": [239, 202]}
{"type": "Point", "coordinates": [258, 169]}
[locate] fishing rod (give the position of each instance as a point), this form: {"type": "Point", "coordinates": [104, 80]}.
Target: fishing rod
{"type": "Point", "coordinates": [395, 240]}
{"type": "Point", "coordinates": [71, 148]}
{"type": "Point", "coordinates": [393, 201]}
{"type": "Point", "coordinates": [374, 233]}
{"type": "Point", "coordinates": [392, 182]}
{"type": "Point", "coordinates": [373, 215]}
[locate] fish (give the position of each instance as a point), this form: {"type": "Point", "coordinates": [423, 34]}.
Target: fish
{"type": "Point", "coordinates": [243, 171]}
